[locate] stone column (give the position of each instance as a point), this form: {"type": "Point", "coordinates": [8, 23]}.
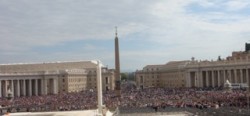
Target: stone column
{"type": "Point", "coordinates": [207, 79]}
{"type": "Point", "coordinates": [196, 84]}
{"type": "Point", "coordinates": [201, 79]}
{"type": "Point", "coordinates": [0, 88]}
{"type": "Point", "coordinates": [189, 80]}
{"type": "Point", "coordinates": [55, 86]}
{"type": "Point", "coordinates": [12, 88]}
{"type": "Point", "coordinates": [24, 87]}
{"type": "Point", "coordinates": [241, 76]}
{"type": "Point", "coordinates": [198, 78]}
{"type": "Point", "coordinates": [230, 75]}
{"type": "Point", "coordinates": [36, 87]}
{"type": "Point", "coordinates": [213, 79]}
{"type": "Point", "coordinates": [45, 87]}
{"type": "Point", "coordinates": [224, 76]}
{"type": "Point", "coordinates": [219, 78]}
{"type": "Point", "coordinates": [235, 76]}
{"type": "Point", "coordinates": [6, 88]}
{"type": "Point", "coordinates": [18, 88]}
{"type": "Point", "coordinates": [30, 87]}
{"type": "Point", "coordinates": [42, 87]}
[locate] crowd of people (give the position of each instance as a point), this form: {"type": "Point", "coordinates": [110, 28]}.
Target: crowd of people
{"type": "Point", "coordinates": [135, 98]}
{"type": "Point", "coordinates": [191, 97]}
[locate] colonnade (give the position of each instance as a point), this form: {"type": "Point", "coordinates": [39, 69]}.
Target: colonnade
{"type": "Point", "coordinates": [27, 86]}
{"type": "Point", "coordinates": [215, 77]}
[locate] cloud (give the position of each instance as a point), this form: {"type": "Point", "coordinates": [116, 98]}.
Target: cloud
{"type": "Point", "coordinates": [180, 23]}
{"type": "Point", "coordinates": [43, 23]}
{"type": "Point", "coordinates": [235, 5]}
{"type": "Point", "coordinates": [159, 31]}
{"type": "Point", "coordinates": [204, 35]}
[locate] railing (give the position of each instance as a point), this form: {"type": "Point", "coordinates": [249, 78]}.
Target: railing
{"type": "Point", "coordinates": [216, 63]}
{"type": "Point", "coordinates": [33, 73]}
{"type": "Point", "coordinates": [117, 112]}
{"type": "Point", "coordinates": [222, 111]}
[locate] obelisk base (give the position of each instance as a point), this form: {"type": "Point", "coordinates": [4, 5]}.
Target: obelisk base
{"type": "Point", "coordinates": [118, 88]}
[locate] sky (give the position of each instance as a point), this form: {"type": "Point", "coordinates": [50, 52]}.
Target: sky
{"type": "Point", "coordinates": [149, 31]}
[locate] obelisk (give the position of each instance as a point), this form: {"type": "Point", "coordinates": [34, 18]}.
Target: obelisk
{"type": "Point", "coordinates": [117, 66]}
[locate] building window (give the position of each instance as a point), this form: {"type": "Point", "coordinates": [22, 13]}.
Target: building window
{"type": "Point", "coordinates": [107, 80]}
{"type": "Point", "coordinates": [141, 79]}
{"type": "Point", "coordinates": [63, 80]}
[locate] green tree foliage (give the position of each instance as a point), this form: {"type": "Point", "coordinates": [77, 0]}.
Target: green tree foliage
{"type": "Point", "coordinates": [123, 76]}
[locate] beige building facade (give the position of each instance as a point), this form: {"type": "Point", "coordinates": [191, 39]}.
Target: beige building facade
{"type": "Point", "coordinates": [173, 74]}
{"type": "Point", "coordinates": [169, 75]}
{"type": "Point", "coordinates": [235, 68]}
{"type": "Point", "coordinates": [193, 73]}
{"type": "Point", "coordinates": [52, 78]}
{"type": "Point", "coordinates": [148, 77]}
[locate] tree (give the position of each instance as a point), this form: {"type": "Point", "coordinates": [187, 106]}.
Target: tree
{"type": "Point", "coordinates": [123, 76]}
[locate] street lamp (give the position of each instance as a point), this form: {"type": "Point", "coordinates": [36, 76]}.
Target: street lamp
{"type": "Point", "coordinates": [99, 86]}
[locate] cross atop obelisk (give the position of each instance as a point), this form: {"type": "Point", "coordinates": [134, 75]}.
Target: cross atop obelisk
{"type": "Point", "coordinates": [115, 31]}
{"type": "Point", "coordinates": [117, 66]}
